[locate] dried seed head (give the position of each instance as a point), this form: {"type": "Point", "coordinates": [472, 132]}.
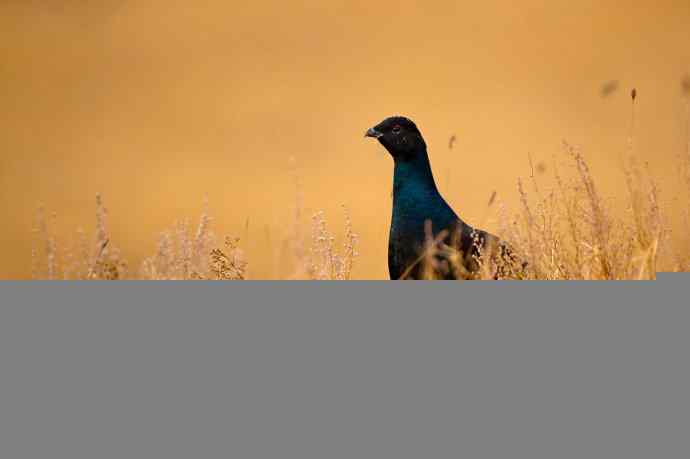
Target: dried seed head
{"type": "Point", "coordinates": [608, 88]}
{"type": "Point", "coordinates": [633, 94]}
{"type": "Point", "coordinates": [685, 84]}
{"type": "Point", "coordinates": [492, 198]}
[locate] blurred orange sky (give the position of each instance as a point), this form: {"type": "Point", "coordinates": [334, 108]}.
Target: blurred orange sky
{"type": "Point", "coordinates": [156, 103]}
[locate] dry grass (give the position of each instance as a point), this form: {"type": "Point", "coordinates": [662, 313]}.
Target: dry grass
{"type": "Point", "coordinates": [571, 233]}
{"type": "Point", "coordinates": [565, 232]}
{"type": "Point", "coordinates": [97, 258]}
{"type": "Point", "coordinates": [184, 254]}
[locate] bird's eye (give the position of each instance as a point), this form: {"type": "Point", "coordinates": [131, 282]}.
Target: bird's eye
{"type": "Point", "coordinates": [396, 128]}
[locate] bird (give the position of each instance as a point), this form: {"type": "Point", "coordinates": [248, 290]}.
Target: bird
{"type": "Point", "coordinates": [422, 219]}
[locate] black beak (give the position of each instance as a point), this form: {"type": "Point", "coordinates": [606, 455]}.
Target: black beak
{"type": "Point", "coordinates": [371, 132]}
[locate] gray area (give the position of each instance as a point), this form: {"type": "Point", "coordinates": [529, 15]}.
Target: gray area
{"type": "Point", "coordinates": [345, 370]}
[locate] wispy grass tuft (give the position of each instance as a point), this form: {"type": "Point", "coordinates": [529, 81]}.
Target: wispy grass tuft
{"type": "Point", "coordinates": [82, 260]}
{"type": "Point", "coordinates": [186, 254]}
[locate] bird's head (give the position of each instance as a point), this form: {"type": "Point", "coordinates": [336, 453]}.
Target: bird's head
{"type": "Point", "coordinates": [400, 136]}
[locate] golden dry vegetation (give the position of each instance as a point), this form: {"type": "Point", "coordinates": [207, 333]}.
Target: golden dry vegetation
{"type": "Point", "coordinates": [565, 232]}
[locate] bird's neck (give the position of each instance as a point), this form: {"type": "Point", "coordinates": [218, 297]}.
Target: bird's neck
{"type": "Point", "coordinates": [414, 176]}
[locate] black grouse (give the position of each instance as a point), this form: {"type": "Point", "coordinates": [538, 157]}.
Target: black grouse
{"type": "Point", "coordinates": [417, 204]}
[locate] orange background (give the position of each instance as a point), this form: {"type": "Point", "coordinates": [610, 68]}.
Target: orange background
{"type": "Point", "coordinates": [155, 103]}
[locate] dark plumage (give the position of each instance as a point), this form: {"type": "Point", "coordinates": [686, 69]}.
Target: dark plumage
{"type": "Point", "coordinates": [416, 201]}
